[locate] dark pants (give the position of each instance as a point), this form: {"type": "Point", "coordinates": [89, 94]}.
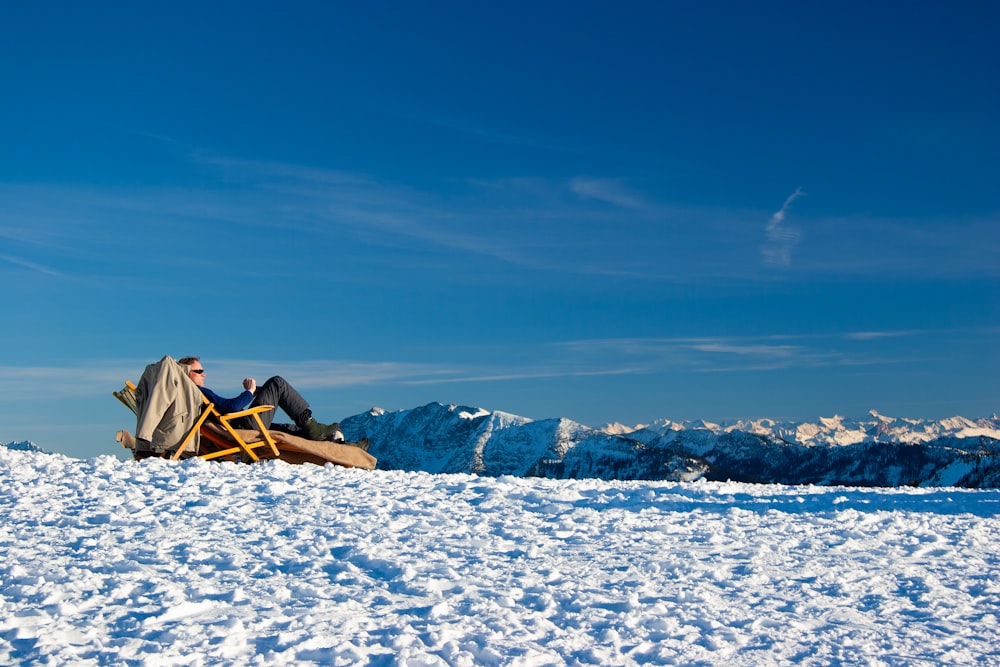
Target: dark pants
{"type": "Point", "coordinates": [276, 391]}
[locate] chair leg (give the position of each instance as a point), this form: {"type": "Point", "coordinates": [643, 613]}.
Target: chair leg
{"type": "Point", "coordinates": [194, 429]}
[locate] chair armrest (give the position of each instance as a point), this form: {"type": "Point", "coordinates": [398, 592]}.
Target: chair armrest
{"type": "Point", "coordinates": [249, 411]}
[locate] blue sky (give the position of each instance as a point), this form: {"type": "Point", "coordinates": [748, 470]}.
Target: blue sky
{"type": "Point", "coordinates": [600, 211]}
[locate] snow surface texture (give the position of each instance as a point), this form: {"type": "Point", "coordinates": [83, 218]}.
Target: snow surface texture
{"type": "Point", "coordinates": [159, 563]}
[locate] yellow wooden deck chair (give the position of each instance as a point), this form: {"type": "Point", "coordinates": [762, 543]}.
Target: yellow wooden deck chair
{"type": "Point", "coordinates": [219, 439]}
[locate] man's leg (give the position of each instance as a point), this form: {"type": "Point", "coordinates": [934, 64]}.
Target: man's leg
{"type": "Point", "coordinates": [276, 391]}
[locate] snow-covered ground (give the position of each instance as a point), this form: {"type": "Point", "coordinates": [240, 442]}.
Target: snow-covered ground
{"type": "Point", "coordinates": [120, 563]}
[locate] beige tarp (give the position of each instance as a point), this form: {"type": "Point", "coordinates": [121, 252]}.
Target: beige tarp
{"type": "Point", "coordinates": [299, 450]}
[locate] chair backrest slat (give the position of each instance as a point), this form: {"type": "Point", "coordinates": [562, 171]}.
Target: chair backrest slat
{"type": "Point", "coordinates": [127, 397]}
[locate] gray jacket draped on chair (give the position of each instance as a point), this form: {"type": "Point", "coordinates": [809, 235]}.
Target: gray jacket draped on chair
{"type": "Point", "coordinates": [169, 405]}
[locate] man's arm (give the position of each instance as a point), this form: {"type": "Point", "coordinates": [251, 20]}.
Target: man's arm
{"type": "Point", "coordinates": [227, 405]}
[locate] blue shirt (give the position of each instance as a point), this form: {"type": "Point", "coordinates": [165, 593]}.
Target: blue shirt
{"type": "Point", "coordinates": [227, 405]}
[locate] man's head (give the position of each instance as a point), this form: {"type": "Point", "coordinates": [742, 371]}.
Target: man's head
{"type": "Point", "coordinates": [195, 370]}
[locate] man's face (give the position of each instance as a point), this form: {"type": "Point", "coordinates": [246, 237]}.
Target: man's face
{"type": "Point", "coordinates": [197, 373]}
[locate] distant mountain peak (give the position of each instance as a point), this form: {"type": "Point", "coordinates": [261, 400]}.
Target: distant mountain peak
{"type": "Point", "coordinates": [618, 428]}
{"type": "Point", "coordinates": [465, 413]}
{"type": "Point", "coordinates": [25, 446]}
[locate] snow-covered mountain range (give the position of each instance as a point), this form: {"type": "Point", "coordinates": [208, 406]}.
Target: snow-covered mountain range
{"type": "Point", "coordinates": [874, 451]}
{"type": "Point", "coordinates": [837, 430]}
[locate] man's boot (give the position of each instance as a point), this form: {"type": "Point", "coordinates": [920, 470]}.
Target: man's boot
{"type": "Point", "coordinates": [338, 437]}
{"type": "Point", "coordinates": [313, 430]}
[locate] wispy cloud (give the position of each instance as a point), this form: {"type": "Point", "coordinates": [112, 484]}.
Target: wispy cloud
{"type": "Point", "coordinates": [737, 354]}
{"type": "Point", "coordinates": [781, 239]}
{"type": "Point", "coordinates": [582, 226]}
{"type": "Point", "coordinates": [523, 222]}
{"type": "Point", "coordinates": [606, 190]}
{"type": "Point", "coordinates": [541, 372]}
{"type": "Point", "coordinates": [29, 265]}
{"type": "Point", "coordinates": [333, 374]}
{"type": "Point", "coordinates": [875, 335]}
{"type": "Point", "coordinates": [668, 356]}
{"type": "Point", "coordinates": [729, 347]}
{"type": "Point", "coordinates": [485, 133]}
{"type": "Point", "coordinates": [102, 376]}
{"type": "Point", "coordinates": [327, 373]}
{"type": "Point", "coordinates": [34, 382]}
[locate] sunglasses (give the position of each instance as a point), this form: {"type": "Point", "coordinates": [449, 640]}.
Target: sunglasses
{"type": "Point", "coordinates": [200, 371]}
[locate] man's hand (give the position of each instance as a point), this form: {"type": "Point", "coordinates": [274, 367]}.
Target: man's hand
{"type": "Point", "coordinates": [250, 385]}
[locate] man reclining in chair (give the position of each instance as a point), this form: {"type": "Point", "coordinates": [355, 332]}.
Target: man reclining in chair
{"type": "Point", "coordinates": [276, 391]}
